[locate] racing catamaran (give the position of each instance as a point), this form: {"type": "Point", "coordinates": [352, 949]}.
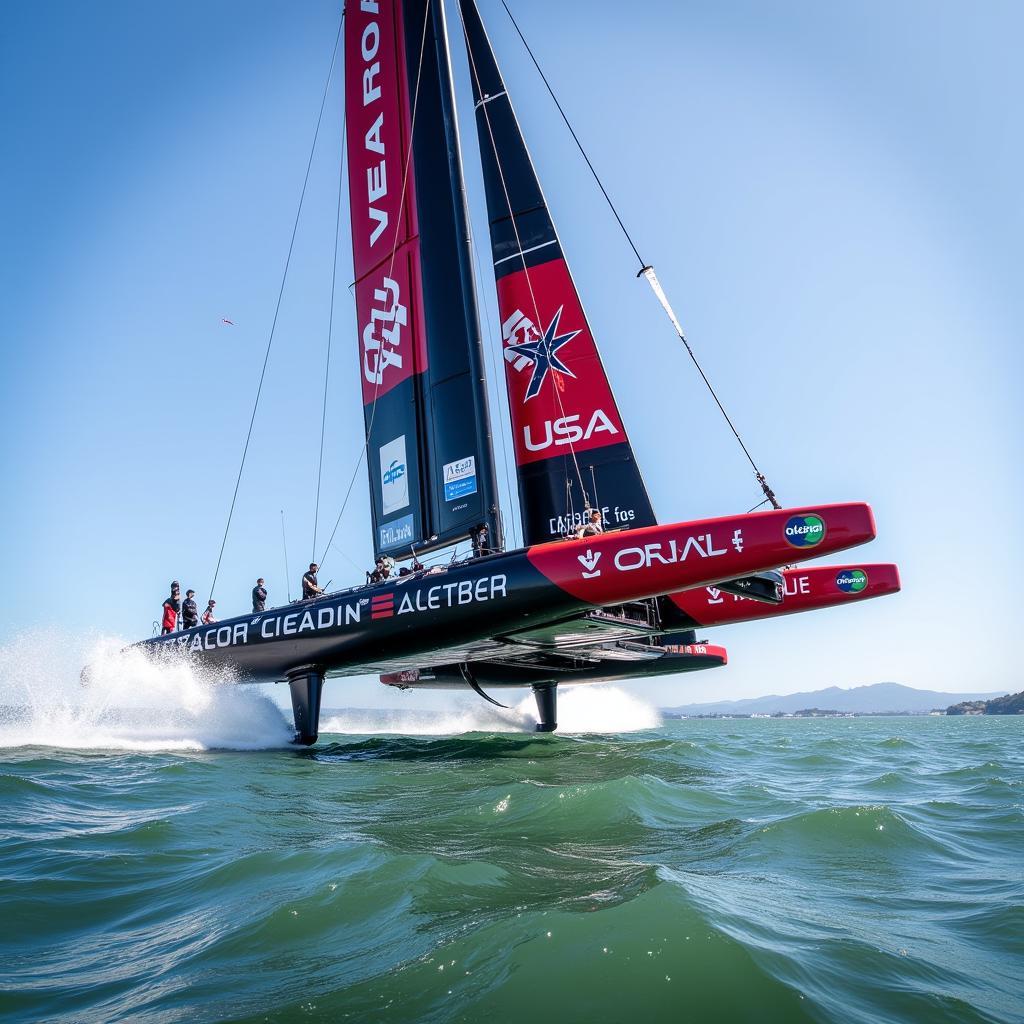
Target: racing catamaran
{"type": "Point", "coordinates": [619, 604]}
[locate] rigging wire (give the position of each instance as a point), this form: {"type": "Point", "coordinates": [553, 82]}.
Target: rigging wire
{"type": "Point", "coordinates": [391, 268]}
{"type": "Point", "coordinates": [646, 270]}
{"type": "Point", "coordinates": [330, 333]}
{"type": "Point", "coordinates": [579, 145]}
{"type": "Point", "coordinates": [287, 573]}
{"type": "Point", "coordinates": [277, 309]}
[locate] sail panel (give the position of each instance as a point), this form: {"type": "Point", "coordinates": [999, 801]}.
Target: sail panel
{"type": "Point", "coordinates": [429, 454]}
{"type": "Point", "coordinates": [572, 451]}
{"type": "Point", "coordinates": [461, 486]}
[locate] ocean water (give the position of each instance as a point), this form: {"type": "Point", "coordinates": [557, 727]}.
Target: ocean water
{"type": "Point", "coordinates": [164, 856]}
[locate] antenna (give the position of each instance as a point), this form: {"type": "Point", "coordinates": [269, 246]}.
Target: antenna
{"type": "Point", "coordinates": [287, 573]}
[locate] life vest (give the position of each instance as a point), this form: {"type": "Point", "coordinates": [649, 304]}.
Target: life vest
{"type": "Point", "coordinates": [170, 614]}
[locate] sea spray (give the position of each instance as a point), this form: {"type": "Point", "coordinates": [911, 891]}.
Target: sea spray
{"type": "Point", "coordinates": [130, 702]}
{"type": "Point", "coordinates": [581, 709]}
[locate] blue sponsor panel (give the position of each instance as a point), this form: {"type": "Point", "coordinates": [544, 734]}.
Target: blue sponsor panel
{"type": "Point", "coordinates": [459, 478]}
{"type": "Point", "coordinates": [397, 533]}
{"type": "Point", "coordinates": [460, 489]}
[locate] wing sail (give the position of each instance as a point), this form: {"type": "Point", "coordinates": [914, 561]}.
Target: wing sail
{"type": "Point", "coordinates": [425, 409]}
{"type": "Point", "coordinates": [571, 447]}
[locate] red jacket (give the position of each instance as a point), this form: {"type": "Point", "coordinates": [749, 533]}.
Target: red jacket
{"type": "Point", "coordinates": [170, 614]}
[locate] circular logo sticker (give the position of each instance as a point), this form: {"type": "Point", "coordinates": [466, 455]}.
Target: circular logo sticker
{"type": "Point", "coordinates": [805, 531]}
{"type": "Point", "coordinates": [851, 581]}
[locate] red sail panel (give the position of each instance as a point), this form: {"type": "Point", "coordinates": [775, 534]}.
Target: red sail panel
{"type": "Point", "coordinates": [425, 407]}
{"type": "Point", "coordinates": [385, 255]}
{"type": "Point", "coordinates": [554, 411]}
{"type": "Point", "coordinates": [381, 197]}
{"type": "Point", "coordinates": [807, 589]}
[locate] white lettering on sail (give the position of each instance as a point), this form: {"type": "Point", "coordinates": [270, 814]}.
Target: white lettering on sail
{"type": "Point", "coordinates": [371, 40]}
{"type": "Point", "coordinates": [566, 430]}
{"type": "Point", "coordinates": [516, 330]}
{"type": "Point", "coordinates": [381, 350]}
{"type": "Point", "coordinates": [376, 174]}
{"type": "Point", "coordinates": [371, 92]}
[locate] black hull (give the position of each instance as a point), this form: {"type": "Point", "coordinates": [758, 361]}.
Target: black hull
{"type": "Point", "coordinates": [482, 609]}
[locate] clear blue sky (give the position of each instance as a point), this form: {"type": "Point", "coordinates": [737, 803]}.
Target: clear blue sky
{"type": "Point", "coordinates": [830, 193]}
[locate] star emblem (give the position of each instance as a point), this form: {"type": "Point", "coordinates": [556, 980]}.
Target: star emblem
{"type": "Point", "coordinates": [544, 354]}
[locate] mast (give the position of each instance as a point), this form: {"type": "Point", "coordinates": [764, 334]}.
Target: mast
{"type": "Point", "coordinates": [572, 450]}
{"type": "Point", "coordinates": [429, 453]}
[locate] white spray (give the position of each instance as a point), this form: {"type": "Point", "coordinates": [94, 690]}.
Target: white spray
{"type": "Point", "coordinates": [130, 703]}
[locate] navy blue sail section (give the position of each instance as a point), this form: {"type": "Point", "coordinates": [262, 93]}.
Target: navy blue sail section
{"type": "Point", "coordinates": [572, 451]}
{"type": "Point", "coordinates": [429, 451]}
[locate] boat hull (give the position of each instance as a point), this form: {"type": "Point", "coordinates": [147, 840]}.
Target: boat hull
{"type": "Point", "coordinates": [468, 611]}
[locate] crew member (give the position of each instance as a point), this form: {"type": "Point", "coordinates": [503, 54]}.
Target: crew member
{"type": "Point", "coordinates": [310, 585]}
{"type": "Point", "coordinates": [208, 614]}
{"type": "Point", "coordinates": [480, 538]}
{"type": "Point", "coordinates": [382, 570]}
{"type": "Point", "coordinates": [189, 611]}
{"type": "Point", "coordinates": [592, 525]}
{"type": "Point", "coordinates": [172, 606]}
{"type": "Point", "coordinates": [259, 597]}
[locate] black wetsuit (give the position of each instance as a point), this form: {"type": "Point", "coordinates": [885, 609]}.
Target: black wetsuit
{"type": "Point", "coordinates": [189, 613]}
{"type": "Point", "coordinates": [310, 585]}
{"type": "Point", "coordinates": [259, 599]}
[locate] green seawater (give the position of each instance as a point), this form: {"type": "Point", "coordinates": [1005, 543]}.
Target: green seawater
{"type": "Point", "coordinates": [848, 870]}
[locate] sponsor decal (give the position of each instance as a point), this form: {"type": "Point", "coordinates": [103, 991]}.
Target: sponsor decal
{"type": "Point", "coordinates": [805, 531]}
{"type": "Point", "coordinates": [398, 533]}
{"type": "Point", "coordinates": [387, 605]}
{"type": "Point", "coordinates": [561, 526]}
{"type": "Point", "coordinates": [268, 627]}
{"type": "Point", "coordinates": [382, 335]}
{"type": "Point", "coordinates": [797, 585]}
{"type": "Point", "coordinates": [382, 606]}
{"type": "Point", "coordinates": [558, 392]}
{"type": "Point", "coordinates": [567, 430]}
{"type": "Point", "coordinates": [851, 581]}
{"type": "Point", "coordinates": [542, 352]}
{"type": "Point", "coordinates": [394, 478]}
{"type": "Point", "coordinates": [374, 109]}
{"type": "Point", "coordinates": [515, 331]}
{"type": "Point", "coordinates": [663, 552]}
{"type": "Point", "coordinates": [451, 595]}
{"type": "Point", "coordinates": [459, 478]}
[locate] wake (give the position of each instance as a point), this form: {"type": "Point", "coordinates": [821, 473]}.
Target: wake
{"type": "Point", "coordinates": [581, 709]}
{"type": "Point", "coordinates": [131, 702]}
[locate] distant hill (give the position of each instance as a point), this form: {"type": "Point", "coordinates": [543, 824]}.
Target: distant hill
{"type": "Point", "coordinates": [877, 698]}
{"type": "Point", "coordinates": [1009, 705]}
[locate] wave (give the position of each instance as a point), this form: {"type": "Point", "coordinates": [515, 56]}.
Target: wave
{"type": "Point", "coordinates": [131, 703]}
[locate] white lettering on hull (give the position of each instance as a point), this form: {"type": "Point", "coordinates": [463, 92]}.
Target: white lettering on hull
{"type": "Point", "coordinates": [452, 594]}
